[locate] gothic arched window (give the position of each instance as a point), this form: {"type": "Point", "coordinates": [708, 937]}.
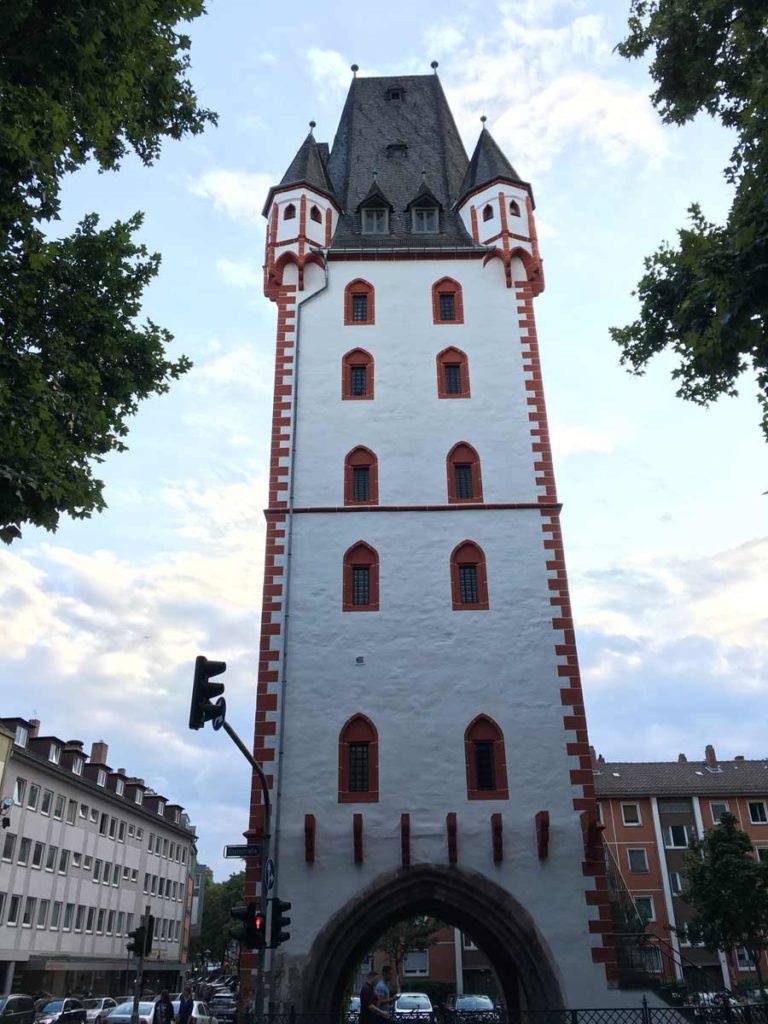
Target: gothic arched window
{"type": "Point", "coordinates": [289, 212]}
{"type": "Point", "coordinates": [452, 374]}
{"type": "Point", "coordinates": [488, 212]}
{"type": "Point", "coordinates": [357, 374]}
{"type": "Point", "coordinates": [485, 760]}
{"type": "Point", "coordinates": [315, 215]}
{"type": "Point", "coordinates": [361, 477]}
{"type": "Point", "coordinates": [447, 302]}
{"type": "Point", "coordinates": [359, 303]}
{"type": "Point", "coordinates": [469, 583]}
{"type": "Point", "coordinates": [514, 208]}
{"type": "Point", "coordinates": [463, 471]}
{"type": "Point", "coordinates": [358, 761]}
{"type": "Point", "coordinates": [361, 579]}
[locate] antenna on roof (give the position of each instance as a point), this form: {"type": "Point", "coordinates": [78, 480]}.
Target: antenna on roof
{"type": "Point", "coordinates": [312, 126]}
{"type": "Point", "coordinates": [434, 65]}
{"type": "Point", "coordinates": [354, 69]}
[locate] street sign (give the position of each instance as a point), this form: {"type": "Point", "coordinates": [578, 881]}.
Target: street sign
{"type": "Point", "coordinates": [221, 713]}
{"type": "Point", "coordinates": [249, 850]}
{"type": "Point", "coordinates": [269, 874]}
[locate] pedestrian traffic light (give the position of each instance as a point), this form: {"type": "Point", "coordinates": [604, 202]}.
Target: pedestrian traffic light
{"type": "Point", "coordinates": [137, 941]}
{"type": "Point", "coordinates": [251, 932]}
{"type": "Point", "coordinates": [279, 922]}
{"type": "Point", "coordinates": [203, 691]}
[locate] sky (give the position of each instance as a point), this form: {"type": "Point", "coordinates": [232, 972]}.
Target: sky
{"type": "Point", "coordinates": [664, 517]}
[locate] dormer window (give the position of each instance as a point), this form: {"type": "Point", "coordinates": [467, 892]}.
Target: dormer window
{"type": "Point", "coordinates": [119, 787]}
{"type": "Point", "coordinates": [22, 736]}
{"type": "Point", "coordinates": [139, 797]}
{"type": "Point", "coordinates": [77, 766]}
{"type": "Point", "coordinates": [395, 93]}
{"type": "Point", "coordinates": [176, 815]}
{"type": "Point", "coordinates": [397, 149]}
{"type": "Point", "coordinates": [160, 807]}
{"type": "Point", "coordinates": [101, 778]}
{"type": "Point", "coordinates": [425, 220]}
{"type": "Point", "coordinates": [376, 221]}
{"type": "Point", "coordinates": [54, 753]}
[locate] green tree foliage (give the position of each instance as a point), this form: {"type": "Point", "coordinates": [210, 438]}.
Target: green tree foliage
{"type": "Point", "coordinates": [87, 81]}
{"type": "Point", "coordinates": [706, 298]}
{"type": "Point", "coordinates": [412, 933]}
{"type": "Point", "coordinates": [219, 899]}
{"type": "Point", "coordinates": [727, 887]}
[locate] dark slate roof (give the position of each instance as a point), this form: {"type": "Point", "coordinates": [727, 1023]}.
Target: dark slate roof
{"type": "Point", "coordinates": [487, 164]}
{"type": "Point", "coordinates": [372, 132]}
{"type": "Point", "coordinates": [681, 778]}
{"type": "Point", "coordinates": [308, 167]}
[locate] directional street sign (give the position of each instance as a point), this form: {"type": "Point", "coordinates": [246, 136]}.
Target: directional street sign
{"type": "Point", "coordinates": [250, 850]}
{"type": "Point", "coordinates": [221, 714]}
{"type": "Point", "coordinates": [269, 874]}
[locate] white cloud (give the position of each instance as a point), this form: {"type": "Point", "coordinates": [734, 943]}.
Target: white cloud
{"type": "Point", "coordinates": [241, 275]}
{"type": "Point", "coordinates": [579, 439]}
{"type": "Point", "coordinates": [238, 194]}
{"type": "Point", "coordinates": [329, 71]}
{"type": "Point", "coordinates": [244, 366]}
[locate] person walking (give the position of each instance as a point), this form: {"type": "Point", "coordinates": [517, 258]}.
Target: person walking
{"type": "Point", "coordinates": [186, 1006]}
{"type": "Point", "coordinates": [382, 989]}
{"type": "Point", "coordinates": [370, 1012]}
{"type": "Point", "coordinates": [163, 1011]}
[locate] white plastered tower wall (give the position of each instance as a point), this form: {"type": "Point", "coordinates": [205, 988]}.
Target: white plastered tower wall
{"type": "Point", "coordinates": [420, 670]}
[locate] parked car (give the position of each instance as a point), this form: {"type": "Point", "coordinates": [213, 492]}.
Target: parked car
{"type": "Point", "coordinates": [412, 1006]}
{"type": "Point", "coordinates": [201, 1013]}
{"type": "Point", "coordinates": [224, 1008]}
{"type": "Point", "coordinates": [97, 1010]}
{"type": "Point", "coordinates": [459, 1009]}
{"type": "Point", "coordinates": [17, 1009]}
{"type": "Point", "coordinates": [62, 1011]}
{"type": "Point", "coordinates": [41, 999]}
{"type": "Point", "coordinates": [121, 1014]}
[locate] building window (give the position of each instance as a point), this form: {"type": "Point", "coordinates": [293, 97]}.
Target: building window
{"type": "Point", "coordinates": [50, 860]}
{"type": "Point", "coordinates": [463, 471]}
{"type": "Point", "coordinates": [645, 908]}
{"type": "Point", "coordinates": [361, 579]}
{"type": "Point", "coordinates": [119, 786]}
{"type": "Point", "coordinates": [77, 766]}
{"type": "Point", "coordinates": [452, 374]}
{"type": "Point", "coordinates": [77, 859]}
{"type": "Point", "coordinates": [79, 915]}
{"type": "Point", "coordinates": [161, 807]}
{"type": "Point", "coordinates": [55, 916]}
{"type": "Point", "coordinates": [24, 847]}
{"type": "Point", "coordinates": [743, 959]}
{"type": "Point", "coordinates": [121, 832]}
{"type": "Point", "coordinates": [485, 760]}
{"type": "Point", "coordinates": [63, 862]}
{"type": "Point", "coordinates": [138, 796]}
{"type": "Point", "coordinates": [9, 845]}
{"type": "Point", "coordinates": [315, 215]}
{"type": "Point", "coordinates": [425, 220]}
{"type": "Point", "coordinates": [652, 959]}
{"type": "Point", "coordinates": [630, 814]}
{"type": "Point", "coordinates": [757, 812]}
{"type": "Point", "coordinates": [94, 815]}
{"type": "Point", "coordinates": [14, 905]}
{"type": "Point", "coordinates": [359, 306]}
{"type": "Point", "coordinates": [469, 585]}
{"type": "Point", "coordinates": [361, 483]}
{"type": "Point", "coordinates": [447, 303]}
{"type": "Point", "coordinates": [637, 860]}
{"type": "Point", "coordinates": [112, 827]}
{"type": "Point", "coordinates": [19, 789]}
{"type": "Point", "coordinates": [416, 965]}
{"type": "Point", "coordinates": [514, 208]}
{"type": "Point", "coordinates": [29, 912]}
{"type": "Point", "coordinates": [358, 761]}
{"type": "Point", "coordinates": [762, 852]}
{"type": "Point", "coordinates": [69, 911]}
{"type": "Point", "coordinates": [103, 824]}
{"type": "Point", "coordinates": [71, 812]}
{"type": "Point", "coordinates": [375, 220]}
{"type": "Point", "coordinates": [58, 807]}
{"type": "Point", "coordinates": [45, 806]}
{"type": "Point", "coordinates": [101, 778]}
{"type": "Point", "coordinates": [37, 855]}
{"type": "Point", "coordinates": [84, 811]}
{"type": "Point", "coordinates": [487, 212]}
{"type": "Point", "coordinates": [676, 837]}
{"type": "Point", "coordinates": [718, 808]}
{"type": "Point", "coordinates": [100, 922]}
{"type": "Point", "coordinates": [22, 736]}
{"type": "Point", "coordinates": [289, 213]}
{"type": "Point", "coordinates": [676, 883]}
{"type": "Point", "coordinates": [54, 753]}
{"type": "Point", "coordinates": [33, 797]}
{"type": "Point", "coordinates": [357, 375]}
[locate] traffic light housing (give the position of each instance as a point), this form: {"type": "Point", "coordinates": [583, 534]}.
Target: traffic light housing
{"type": "Point", "coordinates": [137, 941]}
{"type": "Point", "coordinates": [252, 930]}
{"type": "Point", "coordinates": [149, 936]}
{"type": "Point", "coordinates": [202, 709]}
{"type": "Point", "coordinates": [280, 920]}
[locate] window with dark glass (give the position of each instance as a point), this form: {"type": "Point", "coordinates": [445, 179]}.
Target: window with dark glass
{"type": "Point", "coordinates": [425, 220]}
{"type": "Point", "coordinates": [361, 584]}
{"type": "Point", "coordinates": [361, 483]}
{"type": "Point", "coordinates": [447, 306]}
{"type": "Point", "coordinates": [468, 584]}
{"type": "Point", "coordinates": [315, 215]}
{"type": "Point", "coordinates": [357, 377]}
{"type": "Point", "coordinates": [488, 212]}
{"type": "Point", "coordinates": [359, 308]}
{"type": "Point", "coordinates": [463, 478]}
{"type": "Point", "coordinates": [375, 221]}
{"type": "Point", "coordinates": [452, 378]}
{"type": "Point", "coordinates": [485, 771]}
{"type": "Point", "coordinates": [514, 209]}
{"type": "Point", "coordinates": [290, 212]}
{"type": "Point", "coordinates": [358, 767]}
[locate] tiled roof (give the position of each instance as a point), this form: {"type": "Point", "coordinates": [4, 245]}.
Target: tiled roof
{"type": "Point", "coordinates": [407, 142]}
{"type": "Point", "coordinates": [681, 778]}
{"type": "Point", "coordinates": [487, 164]}
{"type": "Point", "coordinates": [308, 167]}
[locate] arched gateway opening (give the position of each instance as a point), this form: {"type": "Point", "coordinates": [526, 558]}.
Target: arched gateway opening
{"type": "Point", "coordinates": [467, 900]}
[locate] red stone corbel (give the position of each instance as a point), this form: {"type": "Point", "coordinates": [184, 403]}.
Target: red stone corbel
{"type": "Point", "coordinates": [357, 837]}
{"type": "Point", "coordinates": [497, 839]}
{"type": "Point", "coordinates": [451, 829]}
{"type": "Point", "coordinates": [542, 834]}
{"type": "Point", "coordinates": [405, 839]}
{"type": "Point", "coordinates": [309, 838]}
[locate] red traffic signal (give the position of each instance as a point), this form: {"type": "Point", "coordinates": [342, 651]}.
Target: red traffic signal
{"type": "Point", "coordinates": [251, 932]}
{"type": "Point", "coordinates": [202, 709]}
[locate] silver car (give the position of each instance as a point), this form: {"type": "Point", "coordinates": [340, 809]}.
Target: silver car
{"type": "Point", "coordinates": [97, 1010]}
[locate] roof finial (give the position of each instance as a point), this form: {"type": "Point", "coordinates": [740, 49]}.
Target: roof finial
{"type": "Point", "coordinates": [424, 174]}
{"type": "Point", "coordinates": [375, 173]}
{"type": "Point", "coordinates": [483, 118]}
{"type": "Point", "coordinates": [354, 69]}
{"type": "Point", "coordinates": [312, 125]}
{"type": "Point", "coordinates": [434, 65]}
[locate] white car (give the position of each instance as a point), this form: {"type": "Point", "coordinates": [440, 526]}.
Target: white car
{"type": "Point", "coordinates": [201, 1013]}
{"type": "Point", "coordinates": [412, 1005]}
{"type": "Point", "coordinates": [97, 1010]}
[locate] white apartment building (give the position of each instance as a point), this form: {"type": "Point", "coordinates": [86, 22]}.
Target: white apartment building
{"type": "Point", "coordinates": [87, 848]}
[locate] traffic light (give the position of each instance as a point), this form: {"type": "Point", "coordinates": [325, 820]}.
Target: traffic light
{"type": "Point", "coordinates": [149, 936]}
{"type": "Point", "coordinates": [251, 933]}
{"type": "Point", "coordinates": [203, 691]}
{"type": "Point", "coordinates": [137, 943]}
{"type": "Point", "coordinates": [279, 921]}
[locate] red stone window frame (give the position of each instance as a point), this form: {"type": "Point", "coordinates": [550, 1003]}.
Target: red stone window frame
{"type": "Point", "coordinates": [357, 357]}
{"type": "Point", "coordinates": [469, 553]}
{"type": "Point", "coordinates": [358, 458]}
{"type": "Point", "coordinates": [447, 286]}
{"type": "Point", "coordinates": [289, 212]}
{"type": "Point", "coordinates": [483, 729]}
{"type": "Point", "coordinates": [358, 729]}
{"type": "Point", "coordinates": [487, 212]}
{"type": "Point", "coordinates": [451, 356]}
{"type": "Point", "coordinates": [359, 555]}
{"type": "Point", "coordinates": [359, 287]}
{"type": "Point", "coordinates": [463, 454]}
{"type": "Point", "coordinates": [315, 215]}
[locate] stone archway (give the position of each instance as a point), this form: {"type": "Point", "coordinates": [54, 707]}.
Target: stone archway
{"type": "Point", "coordinates": [496, 921]}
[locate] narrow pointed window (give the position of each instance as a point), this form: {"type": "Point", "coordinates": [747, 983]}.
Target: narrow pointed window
{"type": "Point", "coordinates": [357, 375]}
{"type": "Point", "coordinates": [315, 215]}
{"type": "Point", "coordinates": [452, 374]}
{"type": "Point", "coordinates": [358, 303]}
{"type": "Point", "coordinates": [488, 212]}
{"type": "Point", "coordinates": [361, 579]}
{"type": "Point", "coordinates": [358, 761]}
{"type": "Point", "coordinates": [469, 585]}
{"type": "Point", "coordinates": [290, 212]}
{"type": "Point", "coordinates": [463, 474]}
{"type": "Point", "coordinates": [361, 484]}
{"type": "Point", "coordinates": [485, 760]}
{"type": "Point", "coordinates": [514, 208]}
{"type": "Point", "coordinates": [447, 302]}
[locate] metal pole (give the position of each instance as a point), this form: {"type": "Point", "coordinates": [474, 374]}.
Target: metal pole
{"type": "Point", "coordinates": [140, 970]}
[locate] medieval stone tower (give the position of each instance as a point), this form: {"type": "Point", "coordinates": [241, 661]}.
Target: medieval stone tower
{"type": "Point", "coordinates": [419, 705]}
